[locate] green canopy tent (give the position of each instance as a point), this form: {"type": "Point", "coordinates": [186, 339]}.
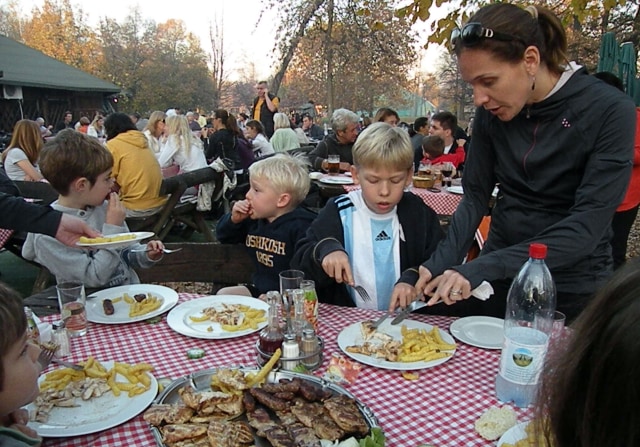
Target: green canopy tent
{"type": "Point", "coordinates": [608, 55]}
{"type": "Point", "coordinates": [628, 68]}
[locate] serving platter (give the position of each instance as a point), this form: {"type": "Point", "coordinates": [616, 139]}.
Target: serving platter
{"type": "Point", "coordinates": [95, 311]}
{"type": "Point", "coordinates": [201, 381]}
{"type": "Point", "coordinates": [96, 414]}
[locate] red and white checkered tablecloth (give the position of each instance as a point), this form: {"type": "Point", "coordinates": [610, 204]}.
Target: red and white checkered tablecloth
{"type": "Point", "coordinates": [439, 409]}
{"type": "Point", "coordinates": [4, 236]}
{"type": "Point", "coordinates": [443, 203]}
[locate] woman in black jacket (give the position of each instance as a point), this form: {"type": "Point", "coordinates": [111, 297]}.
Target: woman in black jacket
{"type": "Point", "coordinates": [222, 143]}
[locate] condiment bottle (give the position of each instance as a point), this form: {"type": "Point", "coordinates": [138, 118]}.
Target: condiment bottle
{"type": "Point", "coordinates": [299, 320]}
{"type": "Point", "coordinates": [311, 303]}
{"type": "Point", "coordinates": [60, 337]}
{"type": "Point", "coordinates": [290, 350]}
{"type": "Point", "coordinates": [531, 303]}
{"type": "Point", "coordinates": [310, 349]}
{"type": "Point", "coordinates": [33, 333]}
{"type": "Point", "coordinates": [271, 336]}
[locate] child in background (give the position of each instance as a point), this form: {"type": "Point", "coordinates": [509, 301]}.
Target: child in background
{"type": "Point", "coordinates": [269, 221]}
{"type": "Point", "coordinates": [433, 152]}
{"type": "Point", "coordinates": [19, 371]}
{"type": "Point", "coordinates": [79, 169]}
{"type": "Point", "coordinates": [375, 235]}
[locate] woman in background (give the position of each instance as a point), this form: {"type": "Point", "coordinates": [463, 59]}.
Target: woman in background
{"type": "Point", "coordinates": [154, 131]}
{"type": "Point", "coordinates": [222, 143]}
{"type": "Point", "coordinates": [284, 137]}
{"type": "Point", "coordinates": [255, 134]}
{"type": "Point", "coordinates": [96, 128]}
{"type": "Point", "coordinates": [387, 115]}
{"type": "Point", "coordinates": [181, 146]}
{"type": "Point", "coordinates": [21, 158]}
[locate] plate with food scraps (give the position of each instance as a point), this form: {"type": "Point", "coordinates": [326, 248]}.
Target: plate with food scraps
{"type": "Point", "coordinates": [95, 414]}
{"type": "Point", "coordinates": [514, 434]}
{"type": "Point", "coordinates": [219, 316]}
{"type": "Point", "coordinates": [117, 240]}
{"type": "Point", "coordinates": [355, 336]}
{"type": "Point", "coordinates": [479, 331]}
{"type": "Point", "coordinates": [336, 180]}
{"type": "Point", "coordinates": [97, 308]}
{"type": "Point", "coordinates": [310, 390]}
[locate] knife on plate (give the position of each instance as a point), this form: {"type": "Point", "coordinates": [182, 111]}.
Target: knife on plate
{"type": "Point", "coordinates": [415, 305]}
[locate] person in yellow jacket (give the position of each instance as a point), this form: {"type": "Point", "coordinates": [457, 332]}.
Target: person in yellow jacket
{"type": "Point", "coordinates": [135, 168]}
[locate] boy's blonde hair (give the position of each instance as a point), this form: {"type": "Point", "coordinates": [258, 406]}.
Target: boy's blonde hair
{"type": "Point", "coordinates": [287, 174]}
{"type": "Point", "coordinates": [382, 145]}
{"type": "Point", "coordinates": [12, 321]}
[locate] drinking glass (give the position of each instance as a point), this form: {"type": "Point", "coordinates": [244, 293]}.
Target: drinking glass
{"type": "Point", "coordinates": [424, 169]}
{"type": "Point", "coordinates": [447, 170]}
{"type": "Point", "coordinates": [333, 161]}
{"type": "Point", "coordinates": [72, 300]}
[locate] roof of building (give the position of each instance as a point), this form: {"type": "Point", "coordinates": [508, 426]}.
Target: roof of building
{"type": "Point", "coordinates": [23, 66]}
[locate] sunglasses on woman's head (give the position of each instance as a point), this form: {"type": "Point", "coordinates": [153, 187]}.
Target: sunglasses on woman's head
{"type": "Point", "coordinates": [473, 33]}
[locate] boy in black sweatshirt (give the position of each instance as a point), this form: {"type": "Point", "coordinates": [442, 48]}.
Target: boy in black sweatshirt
{"type": "Point", "coordinates": [269, 221]}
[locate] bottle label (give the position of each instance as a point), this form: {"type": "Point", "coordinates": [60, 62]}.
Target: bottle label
{"type": "Point", "coordinates": [523, 355]}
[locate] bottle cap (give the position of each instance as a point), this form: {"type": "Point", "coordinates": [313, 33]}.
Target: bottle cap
{"type": "Point", "coordinates": [309, 332]}
{"type": "Point", "coordinates": [537, 251]}
{"type": "Point", "coordinates": [195, 353]}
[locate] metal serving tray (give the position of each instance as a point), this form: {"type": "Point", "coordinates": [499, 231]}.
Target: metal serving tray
{"type": "Point", "coordinates": [201, 381]}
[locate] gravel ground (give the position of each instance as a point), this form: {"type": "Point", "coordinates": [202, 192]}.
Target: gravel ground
{"type": "Point", "coordinates": [633, 243]}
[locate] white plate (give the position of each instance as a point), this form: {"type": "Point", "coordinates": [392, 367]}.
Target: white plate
{"type": "Point", "coordinates": [514, 434]}
{"type": "Point", "coordinates": [483, 332]}
{"type": "Point", "coordinates": [336, 180]}
{"type": "Point", "coordinates": [178, 319]}
{"type": "Point", "coordinates": [95, 312]}
{"type": "Point", "coordinates": [96, 414]}
{"type": "Point", "coordinates": [139, 235]}
{"type": "Point", "coordinates": [351, 335]}
{"type": "Point", "coordinates": [315, 175]}
{"type": "Point", "coordinates": [455, 189]}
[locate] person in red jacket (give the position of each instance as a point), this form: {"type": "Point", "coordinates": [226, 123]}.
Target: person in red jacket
{"type": "Point", "coordinates": [433, 151]}
{"type": "Point", "coordinates": [626, 213]}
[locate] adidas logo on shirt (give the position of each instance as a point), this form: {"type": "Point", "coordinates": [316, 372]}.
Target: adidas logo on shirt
{"type": "Point", "coordinates": [383, 236]}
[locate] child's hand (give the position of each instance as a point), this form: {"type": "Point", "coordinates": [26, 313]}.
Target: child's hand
{"type": "Point", "coordinates": [240, 211]}
{"type": "Point", "coordinates": [155, 248]}
{"type": "Point", "coordinates": [116, 211]}
{"type": "Point", "coordinates": [336, 265]}
{"type": "Point", "coordinates": [19, 420]}
{"type": "Point", "coordinates": [402, 295]}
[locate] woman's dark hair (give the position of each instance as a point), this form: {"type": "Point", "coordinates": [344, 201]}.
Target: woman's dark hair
{"type": "Point", "coordinates": [118, 123]}
{"type": "Point", "coordinates": [591, 387]}
{"type": "Point", "coordinates": [12, 321]}
{"type": "Point", "coordinates": [534, 25]}
{"type": "Point", "coordinates": [255, 124]}
{"type": "Point", "coordinates": [225, 117]}
{"type": "Point", "coordinates": [232, 125]}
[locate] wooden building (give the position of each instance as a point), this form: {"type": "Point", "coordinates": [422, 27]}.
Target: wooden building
{"type": "Point", "coordinates": [34, 85]}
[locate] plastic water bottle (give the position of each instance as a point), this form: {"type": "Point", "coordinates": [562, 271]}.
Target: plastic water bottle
{"type": "Point", "coordinates": [531, 302]}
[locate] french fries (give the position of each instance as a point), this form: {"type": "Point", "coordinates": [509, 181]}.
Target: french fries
{"type": "Point", "coordinates": [139, 308]}
{"type": "Point", "coordinates": [137, 378]}
{"type": "Point", "coordinates": [265, 370]}
{"type": "Point", "coordinates": [251, 317]}
{"type": "Point", "coordinates": [419, 345]}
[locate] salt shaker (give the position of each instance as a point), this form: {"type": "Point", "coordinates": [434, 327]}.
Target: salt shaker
{"type": "Point", "coordinates": [290, 349]}
{"type": "Point", "coordinates": [33, 333]}
{"type": "Point", "coordinates": [60, 337]}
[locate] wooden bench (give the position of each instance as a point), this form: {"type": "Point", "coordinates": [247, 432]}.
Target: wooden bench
{"type": "Point", "coordinates": [219, 264]}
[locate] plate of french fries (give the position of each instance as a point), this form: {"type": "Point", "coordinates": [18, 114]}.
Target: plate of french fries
{"type": "Point", "coordinates": [128, 390]}
{"type": "Point", "coordinates": [411, 345]}
{"type": "Point", "coordinates": [219, 316]}
{"type": "Point", "coordinates": [117, 240]}
{"type": "Point", "coordinates": [130, 303]}
{"type": "Point", "coordinates": [520, 435]}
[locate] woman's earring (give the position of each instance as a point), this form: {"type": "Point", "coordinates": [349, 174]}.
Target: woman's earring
{"type": "Point", "coordinates": [533, 83]}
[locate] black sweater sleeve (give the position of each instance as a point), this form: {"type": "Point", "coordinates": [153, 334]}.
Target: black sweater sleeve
{"type": "Point", "coordinates": [16, 214]}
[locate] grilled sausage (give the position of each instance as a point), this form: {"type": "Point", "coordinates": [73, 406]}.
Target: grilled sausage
{"type": "Point", "coordinates": [107, 306]}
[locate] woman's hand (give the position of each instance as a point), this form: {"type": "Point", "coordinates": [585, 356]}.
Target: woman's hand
{"type": "Point", "coordinates": [450, 287]}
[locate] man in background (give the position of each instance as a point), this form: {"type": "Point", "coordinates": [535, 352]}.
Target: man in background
{"type": "Point", "coordinates": [265, 105]}
{"type": "Point", "coordinates": [421, 128]}
{"type": "Point", "coordinates": [311, 130]}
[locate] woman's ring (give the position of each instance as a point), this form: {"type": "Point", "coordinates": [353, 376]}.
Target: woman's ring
{"type": "Point", "coordinates": [455, 292]}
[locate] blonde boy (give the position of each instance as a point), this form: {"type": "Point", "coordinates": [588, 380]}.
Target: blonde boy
{"type": "Point", "coordinates": [269, 221]}
{"type": "Point", "coordinates": [374, 235]}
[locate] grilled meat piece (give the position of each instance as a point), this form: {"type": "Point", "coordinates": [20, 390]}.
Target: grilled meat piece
{"type": "Point", "coordinates": [260, 420]}
{"type": "Point", "coordinates": [107, 306]}
{"type": "Point", "coordinates": [283, 386]}
{"type": "Point", "coordinates": [269, 400]}
{"type": "Point", "coordinates": [206, 402]}
{"type": "Point", "coordinates": [315, 416]}
{"type": "Point", "coordinates": [285, 395]}
{"type": "Point", "coordinates": [229, 434]}
{"type": "Point", "coordinates": [201, 441]}
{"type": "Point", "coordinates": [312, 392]}
{"type": "Point", "coordinates": [278, 437]}
{"type": "Point", "coordinates": [179, 432]}
{"type": "Point", "coordinates": [302, 435]}
{"type": "Point", "coordinates": [286, 417]}
{"type": "Point", "coordinates": [345, 413]}
{"type": "Point", "coordinates": [139, 297]}
{"type": "Point", "coordinates": [170, 414]}
{"type": "Point", "coordinates": [232, 378]}
{"type": "Point", "coordinates": [248, 401]}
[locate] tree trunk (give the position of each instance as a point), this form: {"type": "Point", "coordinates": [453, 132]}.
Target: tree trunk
{"type": "Point", "coordinates": [329, 51]}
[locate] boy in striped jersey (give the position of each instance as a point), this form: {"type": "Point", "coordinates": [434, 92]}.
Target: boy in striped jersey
{"type": "Point", "coordinates": [376, 236]}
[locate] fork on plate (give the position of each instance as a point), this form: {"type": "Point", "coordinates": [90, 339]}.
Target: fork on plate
{"type": "Point", "coordinates": [47, 355]}
{"type": "Point", "coordinates": [164, 250]}
{"type": "Point", "coordinates": [362, 292]}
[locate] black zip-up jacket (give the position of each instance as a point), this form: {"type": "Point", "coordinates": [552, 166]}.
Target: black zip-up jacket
{"type": "Point", "coordinates": [563, 166]}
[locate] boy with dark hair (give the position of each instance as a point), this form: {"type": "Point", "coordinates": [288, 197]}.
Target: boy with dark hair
{"type": "Point", "coordinates": [79, 169]}
{"type": "Point", "coordinates": [375, 235]}
{"type": "Point", "coordinates": [19, 371]}
{"type": "Point", "coordinates": [433, 152]}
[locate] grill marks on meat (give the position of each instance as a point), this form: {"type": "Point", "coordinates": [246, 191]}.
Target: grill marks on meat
{"type": "Point", "coordinates": [168, 414]}
{"type": "Point", "coordinates": [179, 432]}
{"type": "Point", "coordinates": [269, 400]}
{"type": "Point", "coordinates": [229, 434]}
{"type": "Point", "coordinates": [303, 435]}
{"type": "Point", "coordinates": [346, 414]}
{"type": "Point", "coordinates": [260, 420]}
{"type": "Point", "coordinates": [283, 386]}
{"type": "Point", "coordinates": [314, 415]}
